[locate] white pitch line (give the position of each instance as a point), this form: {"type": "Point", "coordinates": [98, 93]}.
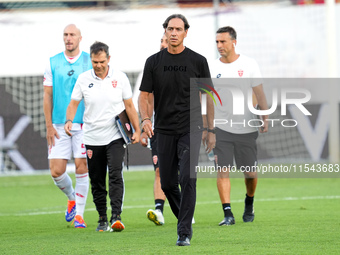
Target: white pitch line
{"type": "Point", "coordinates": [198, 203]}
{"type": "Point", "coordinates": [276, 199]}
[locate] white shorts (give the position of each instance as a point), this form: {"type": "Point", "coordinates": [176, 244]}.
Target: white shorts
{"type": "Point", "coordinates": [66, 144]}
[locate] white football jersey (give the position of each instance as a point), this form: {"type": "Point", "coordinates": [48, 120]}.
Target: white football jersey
{"type": "Point", "coordinates": [103, 101]}
{"type": "Point", "coordinates": [48, 79]}
{"type": "Point", "coordinates": [231, 81]}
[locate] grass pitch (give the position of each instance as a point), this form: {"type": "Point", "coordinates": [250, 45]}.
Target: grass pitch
{"type": "Point", "coordinates": [292, 216]}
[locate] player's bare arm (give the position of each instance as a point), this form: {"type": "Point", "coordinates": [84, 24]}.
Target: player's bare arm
{"type": "Point", "coordinates": [205, 131]}
{"type": "Point", "coordinates": [144, 136]}
{"type": "Point", "coordinates": [70, 113]}
{"type": "Point", "coordinates": [211, 137]}
{"type": "Point", "coordinates": [205, 126]}
{"type": "Point", "coordinates": [143, 102]}
{"type": "Point", "coordinates": [133, 116]}
{"type": "Point", "coordinates": [50, 130]}
{"type": "Point", "coordinates": [150, 104]}
{"type": "Point", "coordinates": [262, 102]}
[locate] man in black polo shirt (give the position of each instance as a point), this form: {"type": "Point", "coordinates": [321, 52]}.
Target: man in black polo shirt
{"type": "Point", "coordinates": [178, 120]}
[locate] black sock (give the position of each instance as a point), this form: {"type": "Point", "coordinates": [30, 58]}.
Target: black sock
{"type": "Point", "coordinates": [227, 210]}
{"type": "Point", "coordinates": [159, 204]}
{"type": "Point", "coordinates": [249, 200]}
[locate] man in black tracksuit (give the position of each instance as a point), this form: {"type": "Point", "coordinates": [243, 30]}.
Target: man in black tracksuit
{"type": "Point", "coordinates": [178, 119]}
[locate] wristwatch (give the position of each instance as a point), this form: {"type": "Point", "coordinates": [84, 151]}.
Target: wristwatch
{"type": "Point", "coordinates": [211, 130]}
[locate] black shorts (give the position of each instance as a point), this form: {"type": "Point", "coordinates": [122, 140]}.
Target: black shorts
{"type": "Point", "coordinates": [154, 151]}
{"type": "Point", "coordinates": [242, 147]}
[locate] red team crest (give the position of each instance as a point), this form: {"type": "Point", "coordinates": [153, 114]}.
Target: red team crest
{"type": "Point", "coordinates": [89, 153]}
{"type": "Point", "coordinates": [240, 73]}
{"type": "Point", "coordinates": [155, 159]}
{"type": "Point", "coordinates": [114, 83]}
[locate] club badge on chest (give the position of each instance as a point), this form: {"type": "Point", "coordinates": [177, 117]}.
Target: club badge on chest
{"type": "Point", "coordinates": [114, 83]}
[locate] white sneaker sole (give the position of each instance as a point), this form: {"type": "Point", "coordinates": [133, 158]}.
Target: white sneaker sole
{"type": "Point", "coordinates": [152, 216]}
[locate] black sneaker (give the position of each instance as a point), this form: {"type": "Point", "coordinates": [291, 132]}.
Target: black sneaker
{"type": "Point", "coordinates": [249, 213]}
{"type": "Point", "coordinates": [183, 240]}
{"type": "Point", "coordinates": [116, 223]}
{"type": "Point", "coordinates": [227, 221]}
{"type": "Point", "coordinates": [103, 224]}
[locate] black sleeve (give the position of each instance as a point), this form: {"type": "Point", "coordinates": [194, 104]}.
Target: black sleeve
{"type": "Point", "coordinates": [206, 74]}
{"type": "Point", "coordinates": [147, 80]}
{"type": "Point", "coordinates": [205, 69]}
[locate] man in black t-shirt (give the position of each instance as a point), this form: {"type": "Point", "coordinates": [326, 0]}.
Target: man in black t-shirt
{"type": "Point", "coordinates": [178, 119]}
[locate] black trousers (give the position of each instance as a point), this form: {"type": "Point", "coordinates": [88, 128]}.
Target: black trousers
{"type": "Point", "coordinates": [178, 156]}
{"type": "Point", "coordinates": [99, 159]}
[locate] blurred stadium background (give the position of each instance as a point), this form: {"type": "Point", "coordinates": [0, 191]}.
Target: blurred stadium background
{"type": "Point", "coordinates": [288, 38]}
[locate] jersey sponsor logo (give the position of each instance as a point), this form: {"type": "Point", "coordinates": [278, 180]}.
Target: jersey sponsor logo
{"type": "Point", "coordinates": [114, 83]}
{"type": "Point", "coordinates": [175, 68]}
{"type": "Point", "coordinates": [90, 85]}
{"type": "Point", "coordinates": [240, 73]}
{"type": "Point", "coordinates": [89, 153]}
{"type": "Point", "coordinates": [70, 73]}
{"type": "Point", "coordinates": [155, 159]}
{"type": "Point", "coordinates": [79, 195]}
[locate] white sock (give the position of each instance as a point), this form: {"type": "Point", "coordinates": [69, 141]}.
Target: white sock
{"type": "Point", "coordinates": [64, 183]}
{"type": "Point", "coordinates": [81, 190]}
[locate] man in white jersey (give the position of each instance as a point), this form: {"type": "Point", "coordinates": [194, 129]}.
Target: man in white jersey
{"type": "Point", "coordinates": [60, 76]}
{"type": "Point", "coordinates": [234, 140]}
{"type": "Point", "coordinates": [106, 93]}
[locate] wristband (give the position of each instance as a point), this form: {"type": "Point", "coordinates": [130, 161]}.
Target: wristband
{"type": "Point", "coordinates": [147, 118]}
{"type": "Point", "coordinates": [205, 129]}
{"type": "Point", "coordinates": [68, 121]}
{"type": "Point", "coordinates": [211, 130]}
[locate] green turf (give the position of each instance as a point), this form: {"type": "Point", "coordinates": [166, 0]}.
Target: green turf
{"type": "Point", "coordinates": [293, 216]}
